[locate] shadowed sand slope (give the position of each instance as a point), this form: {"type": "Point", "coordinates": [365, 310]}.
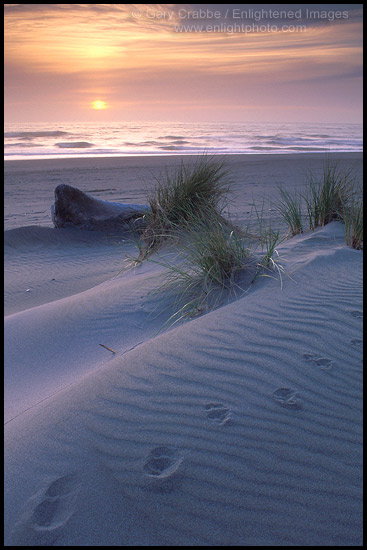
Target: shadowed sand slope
{"type": "Point", "coordinates": [240, 428]}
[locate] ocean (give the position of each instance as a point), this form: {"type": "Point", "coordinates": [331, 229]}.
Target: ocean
{"type": "Point", "coordinates": [27, 141]}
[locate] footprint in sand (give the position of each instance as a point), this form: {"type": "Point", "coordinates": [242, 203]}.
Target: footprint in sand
{"type": "Point", "coordinates": [54, 509]}
{"type": "Point", "coordinates": [322, 362]}
{"type": "Point", "coordinates": [216, 412]}
{"type": "Point", "coordinates": [356, 313]}
{"type": "Point", "coordinates": [287, 398]}
{"type": "Point", "coordinates": [357, 342]}
{"type": "Point", "coordinates": [162, 462]}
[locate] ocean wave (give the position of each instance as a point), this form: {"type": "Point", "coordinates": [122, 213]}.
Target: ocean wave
{"type": "Point", "coordinates": [24, 141]}
{"type": "Point", "coordinates": [31, 135]}
{"type": "Point", "coordinates": [306, 149]}
{"type": "Point", "coordinates": [22, 144]}
{"type": "Point", "coordinates": [170, 147]}
{"type": "Point", "coordinates": [286, 140]}
{"type": "Point", "coordinates": [171, 137]}
{"type": "Point", "coordinates": [74, 144]}
{"type": "Point", "coordinates": [262, 148]}
{"type": "Point", "coordinates": [141, 143]}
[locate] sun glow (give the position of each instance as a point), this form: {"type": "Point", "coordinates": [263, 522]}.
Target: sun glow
{"type": "Point", "coordinates": [99, 104]}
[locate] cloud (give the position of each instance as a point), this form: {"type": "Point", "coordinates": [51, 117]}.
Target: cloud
{"type": "Point", "coordinates": [67, 55]}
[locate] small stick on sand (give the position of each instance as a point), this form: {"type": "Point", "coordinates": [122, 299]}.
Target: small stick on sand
{"type": "Point", "coordinates": [109, 349]}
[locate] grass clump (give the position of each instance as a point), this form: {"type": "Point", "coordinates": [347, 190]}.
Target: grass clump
{"type": "Point", "coordinates": [268, 240]}
{"type": "Point", "coordinates": [218, 252]}
{"type": "Point", "coordinates": [353, 220]}
{"type": "Point", "coordinates": [190, 193]}
{"type": "Point", "coordinates": [290, 208]}
{"type": "Point", "coordinates": [215, 258]}
{"type": "Point", "coordinates": [218, 261]}
{"type": "Point", "coordinates": [332, 198]}
{"type": "Point", "coordinates": [327, 199]}
{"type": "Point", "coordinates": [212, 261]}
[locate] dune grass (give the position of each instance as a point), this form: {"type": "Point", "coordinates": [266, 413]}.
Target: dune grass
{"type": "Point", "coordinates": [330, 198]}
{"type": "Point", "coordinates": [326, 199]}
{"type": "Point", "coordinates": [188, 194]}
{"type": "Point", "coordinates": [216, 262]}
{"type": "Point", "coordinates": [290, 208]}
{"type": "Point", "coordinates": [215, 257]}
{"type": "Point", "coordinates": [268, 240]}
{"type": "Point", "coordinates": [212, 260]}
{"type": "Point", "coordinates": [218, 253]}
{"type": "Point", "coordinates": [353, 220]}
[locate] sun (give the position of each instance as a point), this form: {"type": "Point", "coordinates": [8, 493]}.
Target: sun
{"type": "Point", "coordinates": [99, 104]}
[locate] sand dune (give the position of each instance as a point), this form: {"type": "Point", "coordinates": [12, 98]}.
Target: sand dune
{"type": "Point", "coordinates": [240, 427]}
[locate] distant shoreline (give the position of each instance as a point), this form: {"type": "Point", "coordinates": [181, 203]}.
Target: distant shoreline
{"type": "Point", "coordinates": [180, 154]}
{"type": "Point", "coordinates": [356, 154]}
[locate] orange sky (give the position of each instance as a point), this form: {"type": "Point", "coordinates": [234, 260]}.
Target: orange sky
{"type": "Point", "coordinates": [60, 58]}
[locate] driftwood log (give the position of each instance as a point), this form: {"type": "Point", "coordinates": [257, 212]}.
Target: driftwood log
{"type": "Point", "coordinates": [74, 208]}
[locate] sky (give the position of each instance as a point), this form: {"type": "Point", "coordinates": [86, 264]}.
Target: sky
{"type": "Point", "coordinates": [183, 62]}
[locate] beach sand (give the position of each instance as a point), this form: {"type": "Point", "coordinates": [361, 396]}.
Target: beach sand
{"type": "Point", "coordinates": [240, 427]}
